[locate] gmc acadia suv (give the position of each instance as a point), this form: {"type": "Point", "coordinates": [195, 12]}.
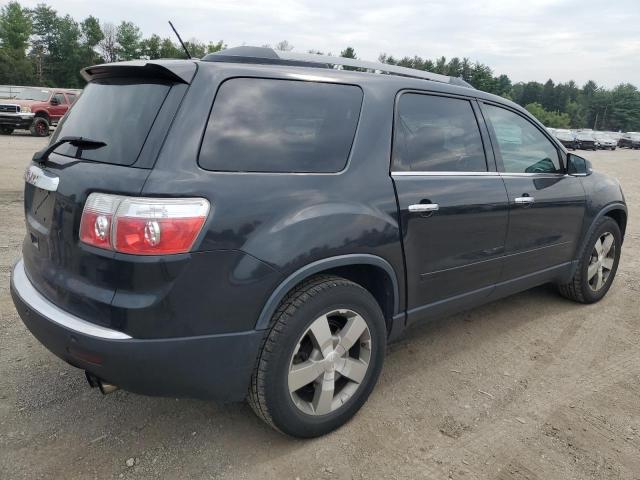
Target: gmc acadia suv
{"type": "Point", "coordinates": [262, 224]}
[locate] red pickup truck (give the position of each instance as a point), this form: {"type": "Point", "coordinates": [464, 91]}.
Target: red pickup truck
{"type": "Point", "coordinates": [35, 109]}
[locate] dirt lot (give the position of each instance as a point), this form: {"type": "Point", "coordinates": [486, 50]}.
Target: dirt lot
{"type": "Point", "coordinates": [531, 387]}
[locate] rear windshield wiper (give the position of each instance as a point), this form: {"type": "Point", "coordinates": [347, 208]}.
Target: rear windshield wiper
{"type": "Point", "coordinates": [80, 142]}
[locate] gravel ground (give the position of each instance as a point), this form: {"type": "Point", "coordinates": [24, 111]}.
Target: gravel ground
{"type": "Point", "coordinates": [530, 387]}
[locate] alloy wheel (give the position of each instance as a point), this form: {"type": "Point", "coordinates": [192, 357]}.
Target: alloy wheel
{"type": "Point", "coordinates": [41, 128]}
{"type": "Point", "coordinates": [330, 362]}
{"type": "Point", "coordinates": [602, 261]}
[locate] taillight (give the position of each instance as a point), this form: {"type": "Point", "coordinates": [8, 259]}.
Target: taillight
{"type": "Point", "coordinates": [142, 226]}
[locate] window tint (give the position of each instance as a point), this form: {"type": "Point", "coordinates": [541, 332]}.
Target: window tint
{"type": "Point", "coordinates": [59, 97]}
{"type": "Point", "coordinates": [524, 148]}
{"type": "Point", "coordinates": [437, 134]}
{"type": "Point", "coordinates": [119, 112]}
{"type": "Point", "coordinates": [262, 125]}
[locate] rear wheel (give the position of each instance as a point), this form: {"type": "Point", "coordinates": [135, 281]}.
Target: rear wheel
{"type": "Point", "coordinates": [6, 130]}
{"type": "Point", "coordinates": [321, 357]}
{"type": "Point", "coordinates": [598, 264]}
{"type": "Point", "coordinates": [39, 127]}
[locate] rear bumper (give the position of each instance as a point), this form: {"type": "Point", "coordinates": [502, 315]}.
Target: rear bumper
{"type": "Point", "coordinates": [209, 366]}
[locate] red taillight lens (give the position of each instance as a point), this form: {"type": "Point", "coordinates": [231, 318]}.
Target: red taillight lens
{"type": "Point", "coordinates": [156, 237]}
{"type": "Point", "coordinates": [143, 226]}
{"type": "Point", "coordinates": [97, 219]}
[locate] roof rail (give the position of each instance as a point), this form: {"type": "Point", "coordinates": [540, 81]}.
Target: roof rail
{"type": "Point", "coordinates": [265, 55]}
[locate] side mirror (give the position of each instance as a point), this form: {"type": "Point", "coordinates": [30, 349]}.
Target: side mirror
{"type": "Point", "coordinates": [54, 101]}
{"type": "Point", "coordinates": [578, 166]}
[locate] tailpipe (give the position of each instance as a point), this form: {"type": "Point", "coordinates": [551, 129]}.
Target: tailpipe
{"type": "Point", "coordinates": [104, 387]}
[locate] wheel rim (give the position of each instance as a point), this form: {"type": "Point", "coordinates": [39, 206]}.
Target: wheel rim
{"type": "Point", "coordinates": [601, 262]}
{"type": "Point", "coordinates": [40, 128]}
{"type": "Point", "coordinates": [330, 362]}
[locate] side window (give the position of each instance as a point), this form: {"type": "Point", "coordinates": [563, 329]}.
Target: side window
{"type": "Point", "coordinates": [71, 97]}
{"type": "Point", "coordinates": [524, 148]}
{"type": "Point", "coordinates": [436, 134]}
{"type": "Point", "coordinates": [267, 125]}
{"type": "Point", "coordinates": [60, 98]}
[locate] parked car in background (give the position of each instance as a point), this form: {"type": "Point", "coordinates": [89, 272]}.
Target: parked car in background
{"type": "Point", "coordinates": [605, 141]}
{"type": "Point", "coordinates": [35, 109]}
{"type": "Point", "coordinates": [567, 138]}
{"type": "Point", "coordinates": [586, 140]}
{"type": "Point", "coordinates": [630, 140]}
{"type": "Point", "coordinates": [615, 135]}
{"type": "Point", "coordinates": [260, 226]}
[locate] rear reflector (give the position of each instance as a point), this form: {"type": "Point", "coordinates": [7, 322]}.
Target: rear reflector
{"type": "Point", "coordinates": [142, 226]}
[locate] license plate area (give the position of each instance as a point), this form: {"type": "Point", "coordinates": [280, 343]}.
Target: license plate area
{"type": "Point", "coordinates": [40, 209]}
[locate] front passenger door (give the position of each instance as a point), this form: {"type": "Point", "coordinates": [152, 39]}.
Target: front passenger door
{"type": "Point", "coordinates": [546, 206]}
{"type": "Point", "coordinates": [453, 204]}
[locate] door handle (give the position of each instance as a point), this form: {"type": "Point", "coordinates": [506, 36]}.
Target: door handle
{"type": "Point", "coordinates": [524, 200]}
{"type": "Point", "coordinates": [424, 207]}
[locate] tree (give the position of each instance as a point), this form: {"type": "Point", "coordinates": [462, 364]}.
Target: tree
{"type": "Point", "coordinates": [150, 47]}
{"type": "Point", "coordinates": [108, 46]}
{"type": "Point", "coordinates": [482, 77]}
{"type": "Point", "coordinates": [44, 20]}
{"type": "Point", "coordinates": [548, 97]}
{"type": "Point", "coordinates": [170, 50]}
{"type": "Point", "coordinates": [454, 67]}
{"type": "Point", "coordinates": [348, 52]}
{"type": "Point", "coordinates": [283, 46]}
{"type": "Point", "coordinates": [547, 118]}
{"type": "Point", "coordinates": [622, 110]}
{"type": "Point", "coordinates": [128, 37]}
{"type": "Point", "coordinates": [532, 93]}
{"type": "Point", "coordinates": [199, 49]}
{"type": "Point", "coordinates": [65, 54]}
{"type": "Point", "coordinates": [503, 86]}
{"type": "Point", "coordinates": [15, 29]}
{"type": "Point", "coordinates": [91, 36]}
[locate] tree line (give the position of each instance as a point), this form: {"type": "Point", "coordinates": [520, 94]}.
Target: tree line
{"type": "Point", "coordinates": [41, 47]}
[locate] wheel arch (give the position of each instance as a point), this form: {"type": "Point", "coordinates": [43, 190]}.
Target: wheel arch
{"type": "Point", "coordinates": [373, 273]}
{"type": "Point", "coordinates": [42, 113]}
{"type": "Point", "coordinates": [620, 216]}
{"type": "Point", "coordinates": [618, 212]}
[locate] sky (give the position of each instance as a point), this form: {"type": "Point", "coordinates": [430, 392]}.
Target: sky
{"type": "Point", "coordinates": [527, 40]}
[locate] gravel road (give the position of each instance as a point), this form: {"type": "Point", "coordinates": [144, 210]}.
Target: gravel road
{"type": "Point", "coordinates": [531, 387]}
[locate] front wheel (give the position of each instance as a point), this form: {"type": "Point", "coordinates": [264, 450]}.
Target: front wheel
{"type": "Point", "coordinates": [39, 127]}
{"type": "Point", "coordinates": [320, 359]}
{"type": "Point", "coordinates": [598, 264]}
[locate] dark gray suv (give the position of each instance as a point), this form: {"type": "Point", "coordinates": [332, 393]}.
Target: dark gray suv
{"type": "Point", "coordinates": [262, 224]}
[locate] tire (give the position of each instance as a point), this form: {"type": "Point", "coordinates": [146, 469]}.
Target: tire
{"type": "Point", "coordinates": [323, 300]}
{"type": "Point", "coordinates": [39, 127]}
{"type": "Point", "coordinates": [583, 289]}
{"type": "Point", "coordinates": [6, 130]}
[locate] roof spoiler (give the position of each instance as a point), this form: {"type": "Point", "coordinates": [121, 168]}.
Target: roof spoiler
{"type": "Point", "coordinates": [264, 55]}
{"type": "Point", "coordinates": [180, 71]}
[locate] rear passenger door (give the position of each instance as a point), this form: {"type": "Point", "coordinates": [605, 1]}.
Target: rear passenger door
{"type": "Point", "coordinates": [453, 204]}
{"type": "Point", "coordinates": [546, 205]}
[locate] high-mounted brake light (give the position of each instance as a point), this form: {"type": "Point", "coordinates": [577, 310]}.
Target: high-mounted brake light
{"type": "Point", "coordinates": [142, 226]}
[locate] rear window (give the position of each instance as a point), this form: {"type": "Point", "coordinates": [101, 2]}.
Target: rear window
{"type": "Point", "coordinates": [264, 125]}
{"type": "Point", "coordinates": [118, 112]}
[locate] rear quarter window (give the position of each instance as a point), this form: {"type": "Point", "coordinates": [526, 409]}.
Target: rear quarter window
{"type": "Point", "coordinates": [268, 125]}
